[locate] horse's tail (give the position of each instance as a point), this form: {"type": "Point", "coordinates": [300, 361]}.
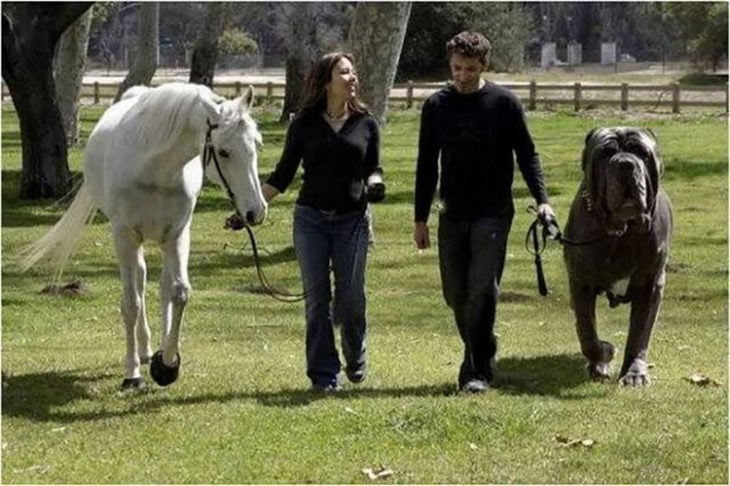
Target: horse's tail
{"type": "Point", "coordinates": [59, 243]}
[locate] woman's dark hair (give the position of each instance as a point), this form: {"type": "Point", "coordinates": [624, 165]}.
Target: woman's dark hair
{"type": "Point", "coordinates": [314, 98]}
{"type": "Point", "coordinates": [470, 44]}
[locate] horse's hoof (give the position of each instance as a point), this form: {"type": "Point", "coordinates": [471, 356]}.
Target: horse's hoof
{"type": "Point", "coordinates": [161, 373]}
{"type": "Point", "coordinates": [133, 384]}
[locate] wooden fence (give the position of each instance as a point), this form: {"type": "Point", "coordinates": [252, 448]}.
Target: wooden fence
{"type": "Point", "coordinates": [532, 94]}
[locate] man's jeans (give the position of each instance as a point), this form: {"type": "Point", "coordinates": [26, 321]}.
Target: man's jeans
{"type": "Point", "coordinates": [340, 241]}
{"type": "Point", "coordinates": [471, 259]}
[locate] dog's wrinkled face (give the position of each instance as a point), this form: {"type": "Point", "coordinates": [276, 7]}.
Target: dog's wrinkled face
{"type": "Point", "coordinates": [622, 168]}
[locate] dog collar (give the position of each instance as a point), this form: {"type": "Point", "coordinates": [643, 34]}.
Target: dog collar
{"type": "Point", "coordinates": [587, 200]}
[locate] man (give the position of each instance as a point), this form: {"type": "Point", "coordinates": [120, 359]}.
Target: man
{"type": "Point", "coordinates": [476, 127]}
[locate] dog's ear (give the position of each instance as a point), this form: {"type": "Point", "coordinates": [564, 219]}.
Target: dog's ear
{"type": "Point", "coordinates": [587, 150]}
{"type": "Point", "coordinates": [589, 135]}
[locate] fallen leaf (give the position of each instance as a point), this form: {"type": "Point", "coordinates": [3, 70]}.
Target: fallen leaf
{"type": "Point", "coordinates": [701, 380]}
{"type": "Point", "coordinates": [564, 441]}
{"type": "Point", "coordinates": [373, 474]}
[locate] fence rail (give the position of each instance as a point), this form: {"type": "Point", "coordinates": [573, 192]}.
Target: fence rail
{"type": "Point", "coordinates": [532, 94]}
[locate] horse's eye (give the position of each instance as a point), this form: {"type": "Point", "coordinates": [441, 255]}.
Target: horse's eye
{"type": "Point", "coordinates": [223, 153]}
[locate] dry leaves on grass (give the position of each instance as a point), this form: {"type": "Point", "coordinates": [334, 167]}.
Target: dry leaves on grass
{"type": "Point", "coordinates": [564, 441]}
{"type": "Point", "coordinates": [701, 380]}
{"type": "Point", "coordinates": [71, 289]}
{"type": "Point", "coordinates": [378, 473]}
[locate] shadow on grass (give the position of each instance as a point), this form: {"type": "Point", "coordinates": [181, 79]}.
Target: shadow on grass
{"type": "Point", "coordinates": [40, 397]}
{"type": "Point", "coordinates": [552, 375]}
{"type": "Point", "coordinates": [36, 396]}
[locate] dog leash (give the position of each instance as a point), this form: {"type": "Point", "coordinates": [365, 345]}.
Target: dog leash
{"type": "Point", "coordinates": [548, 230]}
{"type": "Point", "coordinates": [551, 231]}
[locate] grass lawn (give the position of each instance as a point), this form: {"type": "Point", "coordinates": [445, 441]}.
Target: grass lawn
{"type": "Point", "coordinates": [241, 411]}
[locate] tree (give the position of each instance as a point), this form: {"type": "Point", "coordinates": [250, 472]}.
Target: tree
{"type": "Point", "coordinates": [144, 64]}
{"type": "Point", "coordinates": [70, 64]}
{"type": "Point", "coordinates": [205, 52]}
{"type": "Point", "coordinates": [310, 29]}
{"type": "Point", "coordinates": [30, 32]}
{"type": "Point", "coordinates": [376, 39]}
{"type": "Point", "coordinates": [432, 24]}
{"type": "Point", "coordinates": [704, 29]}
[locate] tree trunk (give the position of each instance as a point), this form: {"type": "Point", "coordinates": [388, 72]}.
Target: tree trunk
{"type": "Point", "coordinates": [144, 64]}
{"type": "Point", "coordinates": [69, 66]}
{"type": "Point", "coordinates": [297, 65]}
{"type": "Point", "coordinates": [376, 39]}
{"type": "Point", "coordinates": [205, 53]}
{"type": "Point", "coordinates": [303, 48]}
{"type": "Point", "coordinates": [29, 38]}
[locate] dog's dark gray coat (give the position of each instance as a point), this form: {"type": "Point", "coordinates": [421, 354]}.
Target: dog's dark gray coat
{"type": "Point", "coordinates": [620, 208]}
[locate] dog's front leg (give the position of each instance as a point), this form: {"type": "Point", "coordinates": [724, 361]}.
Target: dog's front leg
{"type": "Point", "coordinates": [644, 310]}
{"type": "Point", "coordinates": [599, 353]}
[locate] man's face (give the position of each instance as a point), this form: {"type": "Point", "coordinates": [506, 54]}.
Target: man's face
{"type": "Point", "coordinates": [465, 72]}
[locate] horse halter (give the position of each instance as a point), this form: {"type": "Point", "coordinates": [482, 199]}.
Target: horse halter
{"type": "Point", "coordinates": [208, 155]}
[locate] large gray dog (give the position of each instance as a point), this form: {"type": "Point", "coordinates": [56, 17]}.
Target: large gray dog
{"type": "Point", "coordinates": [617, 241]}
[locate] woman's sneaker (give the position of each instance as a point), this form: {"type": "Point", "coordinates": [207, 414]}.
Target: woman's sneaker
{"type": "Point", "coordinates": [475, 386]}
{"type": "Point", "coordinates": [325, 388]}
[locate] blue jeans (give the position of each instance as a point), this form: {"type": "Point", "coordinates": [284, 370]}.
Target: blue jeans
{"type": "Point", "coordinates": [339, 242]}
{"type": "Point", "coordinates": [471, 260]}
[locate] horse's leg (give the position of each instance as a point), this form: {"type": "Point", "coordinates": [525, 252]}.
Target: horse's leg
{"type": "Point", "coordinates": [143, 329]}
{"type": "Point", "coordinates": [174, 294]}
{"type": "Point", "coordinates": [132, 271]}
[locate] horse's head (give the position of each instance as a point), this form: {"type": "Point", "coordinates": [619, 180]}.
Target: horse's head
{"type": "Point", "coordinates": [235, 138]}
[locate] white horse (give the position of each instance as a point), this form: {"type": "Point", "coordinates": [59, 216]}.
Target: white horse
{"type": "Point", "coordinates": [143, 170]}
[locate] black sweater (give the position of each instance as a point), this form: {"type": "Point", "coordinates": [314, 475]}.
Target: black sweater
{"type": "Point", "coordinates": [336, 165]}
{"type": "Point", "coordinates": [476, 135]}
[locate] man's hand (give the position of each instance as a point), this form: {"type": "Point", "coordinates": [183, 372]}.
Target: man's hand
{"type": "Point", "coordinates": [420, 236]}
{"type": "Point", "coordinates": [545, 213]}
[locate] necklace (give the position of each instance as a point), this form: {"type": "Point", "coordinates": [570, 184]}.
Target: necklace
{"type": "Point", "coordinates": [333, 117]}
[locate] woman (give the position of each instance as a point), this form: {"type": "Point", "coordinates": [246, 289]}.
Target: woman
{"type": "Point", "coordinates": [337, 142]}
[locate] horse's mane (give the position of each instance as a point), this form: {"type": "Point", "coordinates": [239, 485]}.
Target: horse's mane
{"type": "Point", "coordinates": [159, 115]}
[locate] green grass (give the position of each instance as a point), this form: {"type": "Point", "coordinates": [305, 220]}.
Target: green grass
{"type": "Point", "coordinates": [241, 411]}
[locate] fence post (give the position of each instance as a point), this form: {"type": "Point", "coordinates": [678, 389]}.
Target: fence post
{"type": "Point", "coordinates": [577, 95]}
{"type": "Point", "coordinates": [237, 87]}
{"type": "Point", "coordinates": [269, 93]}
{"type": "Point", "coordinates": [675, 97]}
{"type": "Point", "coordinates": [533, 95]}
{"type": "Point", "coordinates": [624, 96]}
{"type": "Point", "coordinates": [96, 92]}
{"type": "Point", "coordinates": [409, 95]}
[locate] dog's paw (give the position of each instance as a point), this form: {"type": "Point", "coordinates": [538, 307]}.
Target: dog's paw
{"type": "Point", "coordinates": [599, 371]}
{"type": "Point", "coordinates": [637, 375]}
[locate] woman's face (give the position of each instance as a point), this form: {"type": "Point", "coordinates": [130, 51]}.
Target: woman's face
{"type": "Point", "coordinates": [343, 81]}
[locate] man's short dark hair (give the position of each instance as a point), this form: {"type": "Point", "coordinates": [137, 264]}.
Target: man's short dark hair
{"type": "Point", "coordinates": [470, 44]}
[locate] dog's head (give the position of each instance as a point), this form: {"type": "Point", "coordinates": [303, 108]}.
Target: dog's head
{"type": "Point", "coordinates": [622, 167]}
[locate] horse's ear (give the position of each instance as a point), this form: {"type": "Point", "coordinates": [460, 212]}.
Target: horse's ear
{"type": "Point", "coordinates": [246, 99]}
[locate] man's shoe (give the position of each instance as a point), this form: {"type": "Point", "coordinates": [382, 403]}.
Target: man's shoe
{"type": "Point", "coordinates": [475, 386]}
{"type": "Point", "coordinates": [357, 374]}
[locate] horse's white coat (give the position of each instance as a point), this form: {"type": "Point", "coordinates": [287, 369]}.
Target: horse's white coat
{"type": "Point", "coordinates": [143, 170]}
